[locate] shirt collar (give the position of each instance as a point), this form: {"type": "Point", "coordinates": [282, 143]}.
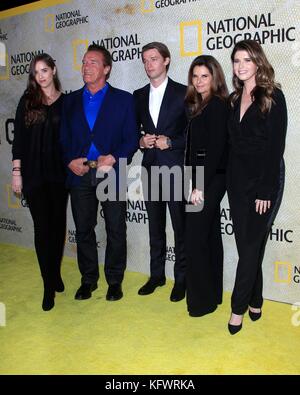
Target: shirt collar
{"type": "Point", "coordinates": [161, 88]}
{"type": "Point", "coordinates": [97, 94]}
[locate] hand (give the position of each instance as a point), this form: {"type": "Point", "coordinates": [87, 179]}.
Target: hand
{"type": "Point", "coordinates": [161, 142]}
{"type": "Point", "coordinates": [16, 183]}
{"type": "Point", "coordinates": [148, 141]}
{"type": "Point", "coordinates": [105, 163]}
{"type": "Point", "coordinates": [197, 197]}
{"type": "Point", "coordinates": [261, 206]}
{"type": "Point", "coordinates": [77, 166]}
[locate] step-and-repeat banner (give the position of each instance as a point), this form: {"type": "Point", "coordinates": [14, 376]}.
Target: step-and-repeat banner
{"type": "Point", "coordinates": [189, 28]}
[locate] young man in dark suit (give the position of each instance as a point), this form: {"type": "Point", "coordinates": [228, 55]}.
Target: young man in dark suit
{"type": "Point", "coordinates": [161, 116]}
{"type": "Point", "coordinates": [98, 129]}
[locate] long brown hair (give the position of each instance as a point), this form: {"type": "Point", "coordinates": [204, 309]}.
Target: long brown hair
{"type": "Point", "coordinates": [34, 96]}
{"type": "Point", "coordinates": [218, 88]}
{"type": "Point", "coordinates": [264, 78]}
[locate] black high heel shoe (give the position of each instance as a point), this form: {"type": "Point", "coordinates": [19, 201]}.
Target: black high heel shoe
{"type": "Point", "coordinates": [59, 285]}
{"type": "Point", "coordinates": [233, 329]}
{"type": "Point", "coordinates": [48, 300]}
{"type": "Point", "coordinates": [254, 316]}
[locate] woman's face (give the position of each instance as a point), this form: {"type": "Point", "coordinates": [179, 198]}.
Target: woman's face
{"type": "Point", "coordinates": [202, 80]}
{"type": "Point", "coordinates": [243, 67]}
{"type": "Point", "coordinates": [44, 74]}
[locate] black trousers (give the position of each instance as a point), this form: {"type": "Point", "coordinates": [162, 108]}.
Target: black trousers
{"type": "Point", "coordinates": [204, 252]}
{"type": "Point", "coordinates": [47, 205]}
{"type": "Point", "coordinates": [84, 205]}
{"type": "Point", "coordinates": [157, 212]}
{"type": "Point", "coordinates": [251, 234]}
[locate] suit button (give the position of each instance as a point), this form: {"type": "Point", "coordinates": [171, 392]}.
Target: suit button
{"type": "Point", "coordinates": [92, 135]}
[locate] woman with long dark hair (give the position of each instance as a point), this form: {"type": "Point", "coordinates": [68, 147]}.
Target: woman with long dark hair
{"type": "Point", "coordinates": [206, 101]}
{"type": "Point", "coordinates": [257, 128]}
{"type": "Point", "coordinates": [38, 171]}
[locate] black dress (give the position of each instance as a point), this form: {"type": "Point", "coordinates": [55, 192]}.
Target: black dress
{"type": "Point", "coordinates": [43, 177]}
{"type": "Point", "coordinates": [38, 147]}
{"type": "Point", "coordinates": [255, 171]}
{"type": "Point", "coordinates": [206, 146]}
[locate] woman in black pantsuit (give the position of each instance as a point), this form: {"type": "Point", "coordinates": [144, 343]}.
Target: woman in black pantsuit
{"type": "Point", "coordinates": [206, 100]}
{"type": "Point", "coordinates": [257, 129]}
{"type": "Point", "coordinates": [38, 170]}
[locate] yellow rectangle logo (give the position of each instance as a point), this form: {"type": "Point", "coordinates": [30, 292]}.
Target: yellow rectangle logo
{"type": "Point", "coordinates": [191, 38]}
{"type": "Point", "coordinates": [79, 48]}
{"type": "Point", "coordinates": [49, 23]}
{"type": "Point", "coordinates": [147, 6]}
{"type": "Point", "coordinates": [283, 272]}
{"type": "Point", "coordinates": [12, 200]}
{"type": "Point", "coordinates": [4, 69]}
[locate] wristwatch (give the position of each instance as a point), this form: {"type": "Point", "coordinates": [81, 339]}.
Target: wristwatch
{"type": "Point", "coordinates": [169, 142]}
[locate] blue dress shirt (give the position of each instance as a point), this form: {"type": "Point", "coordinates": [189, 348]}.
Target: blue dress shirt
{"type": "Point", "coordinates": [92, 104]}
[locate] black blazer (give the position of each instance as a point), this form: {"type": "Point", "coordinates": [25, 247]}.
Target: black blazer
{"type": "Point", "coordinates": [207, 140]}
{"type": "Point", "coordinates": [172, 122]}
{"type": "Point", "coordinates": [257, 145]}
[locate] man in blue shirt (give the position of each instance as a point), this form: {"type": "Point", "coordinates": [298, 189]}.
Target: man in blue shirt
{"type": "Point", "coordinates": [98, 129]}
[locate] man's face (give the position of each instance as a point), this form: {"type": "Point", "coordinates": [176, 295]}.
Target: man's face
{"type": "Point", "coordinates": [155, 65]}
{"type": "Point", "coordinates": [93, 70]}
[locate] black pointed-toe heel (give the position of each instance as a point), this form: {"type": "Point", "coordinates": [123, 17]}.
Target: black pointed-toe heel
{"type": "Point", "coordinates": [233, 329]}
{"type": "Point", "coordinates": [59, 285]}
{"type": "Point", "coordinates": [254, 316]}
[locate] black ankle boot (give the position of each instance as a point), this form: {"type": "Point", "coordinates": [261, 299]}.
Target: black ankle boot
{"type": "Point", "coordinates": [48, 300]}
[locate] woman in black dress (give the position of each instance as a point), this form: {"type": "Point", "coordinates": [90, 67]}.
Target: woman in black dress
{"type": "Point", "coordinates": [257, 128]}
{"type": "Point", "coordinates": [206, 100]}
{"type": "Point", "coordinates": [38, 171]}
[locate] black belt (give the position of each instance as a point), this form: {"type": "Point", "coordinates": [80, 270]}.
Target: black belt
{"type": "Point", "coordinates": [92, 164]}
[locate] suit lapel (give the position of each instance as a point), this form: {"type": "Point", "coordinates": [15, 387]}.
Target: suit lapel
{"type": "Point", "coordinates": [104, 106]}
{"type": "Point", "coordinates": [145, 107]}
{"type": "Point", "coordinates": [163, 112]}
{"type": "Point", "coordinates": [81, 110]}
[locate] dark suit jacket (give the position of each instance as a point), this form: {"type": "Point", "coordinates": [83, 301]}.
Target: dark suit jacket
{"type": "Point", "coordinates": [207, 140]}
{"type": "Point", "coordinates": [115, 130]}
{"type": "Point", "coordinates": [257, 145]}
{"type": "Point", "coordinates": [172, 122]}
